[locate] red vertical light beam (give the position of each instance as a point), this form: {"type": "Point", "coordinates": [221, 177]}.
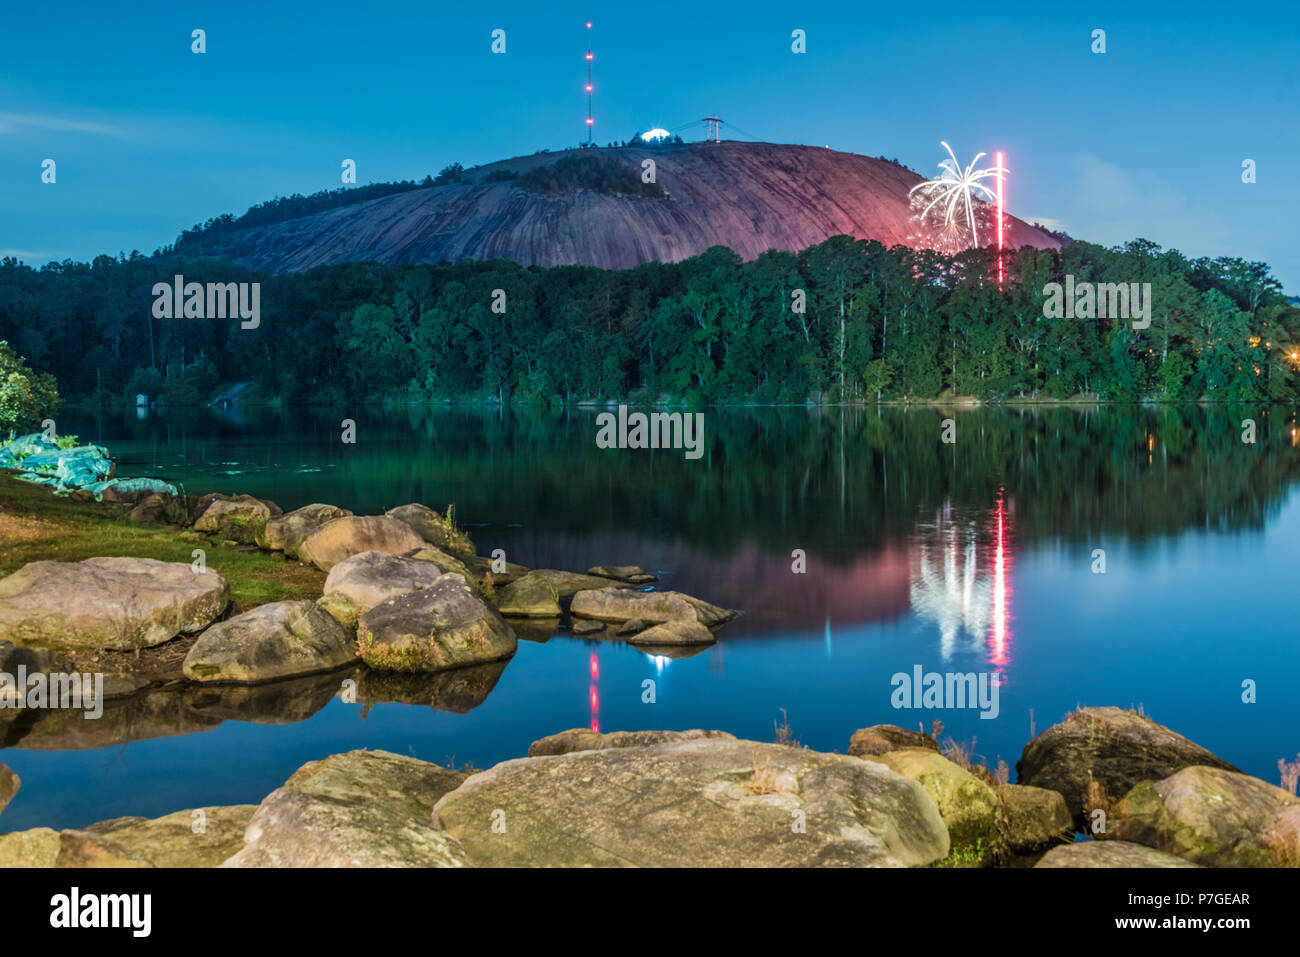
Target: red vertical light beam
{"type": "Point", "coordinates": [1001, 176]}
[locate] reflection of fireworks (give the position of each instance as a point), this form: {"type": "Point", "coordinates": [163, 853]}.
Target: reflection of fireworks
{"type": "Point", "coordinates": [955, 190]}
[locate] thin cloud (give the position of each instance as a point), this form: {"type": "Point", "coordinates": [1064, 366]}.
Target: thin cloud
{"type": "Point", "coordinates": [14, 123]}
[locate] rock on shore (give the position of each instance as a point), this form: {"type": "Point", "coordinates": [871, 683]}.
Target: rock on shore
{"type": "Point", "coordinates": [342, 538]}
{"type": "Point", "coordinates": [1213, 817]}
{"type": "Point", "coordinates": [713, 802]}
{"type": "Point", "coordinates": [443, 626]}
{"type": "Point", "coordinates": [116, 603]}
{"type": "Point", "coordinates": [1109, 854]}
{"type": "Point", "coordinates": [1115, 747]}
{"type": "Point", "coordinates": [281, 639]}
{"type": "Point", "coordinates": [359, 809]}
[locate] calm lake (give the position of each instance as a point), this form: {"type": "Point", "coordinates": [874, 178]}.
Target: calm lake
{"type": "Point", "coordinates": [976, 556]}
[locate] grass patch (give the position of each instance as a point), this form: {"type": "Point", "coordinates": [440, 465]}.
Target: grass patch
{"type": "Point", "coordinates": [60, 529]}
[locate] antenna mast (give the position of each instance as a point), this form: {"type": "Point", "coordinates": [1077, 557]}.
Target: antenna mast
{"type": "Point", "coordinates": [590, 121]}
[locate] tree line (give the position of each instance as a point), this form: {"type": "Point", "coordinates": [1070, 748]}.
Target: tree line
{"type": "Point", "coordinates": [845, 320]}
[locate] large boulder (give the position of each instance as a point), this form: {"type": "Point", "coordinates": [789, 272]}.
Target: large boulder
{"type": "Point", "coordinates": [712, 802]}
{"type": "Point", "coordinates": [117, 603]}
{"type": "Point", "coordinates": [652, 607]}
{"type": "Point", "coordinates": [203, 837]}
{"type": "Point", "coordinates": [359, 809]}
{"type": "Point", "coordinates": [9, 785]}
{"type": "Point", "coordinates": [1108, 854]}
{"type": "Point", "coordinates": [883, 738]}
{"type": "Point", "coordinates": [1114, 747]}
{"type": "Point", "coordinates": [371, 577]}
{"type": "Point", "coordinates": [240, 519]}
{"type": "Point", "coordinates": [285, 533]}
{"type": "Point", "coordinates": [1033, 818]}
{"type": "Point", "coordinates": [443, 626]}
{"type": "Point", "coordinates": [1212, 817]}
{"type": "Point", "coordinates": [342, 538]}
{"type": "Point", "coordinates": [968, 806]}
{"type": "Point", "coordinates": [433, 527]}
{"type": "Point", "coordinates": [277, 640]}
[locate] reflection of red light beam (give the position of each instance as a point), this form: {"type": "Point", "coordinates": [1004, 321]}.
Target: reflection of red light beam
{"type": "Point", "coordinates": [999, 632]}
{"type": "Point", "coordinates": [595, 698]}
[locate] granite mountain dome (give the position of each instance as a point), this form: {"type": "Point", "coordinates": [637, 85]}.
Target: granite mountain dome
{"type": "Point", "coordinates": [750, 197]}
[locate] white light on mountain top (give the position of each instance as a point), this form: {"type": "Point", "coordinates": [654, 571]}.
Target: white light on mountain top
{"type": "Point", "coordinates": [655, 134]}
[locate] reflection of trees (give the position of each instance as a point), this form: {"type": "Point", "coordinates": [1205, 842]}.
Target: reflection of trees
{"type": "Point", "coordinates": [837, 481]}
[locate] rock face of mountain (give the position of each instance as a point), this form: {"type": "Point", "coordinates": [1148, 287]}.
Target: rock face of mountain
{"type": "Point", "coordinates": [751, 197]}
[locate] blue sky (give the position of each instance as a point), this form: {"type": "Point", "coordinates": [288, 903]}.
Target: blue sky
{"type": "Point", "coordinates": [1144, 140]}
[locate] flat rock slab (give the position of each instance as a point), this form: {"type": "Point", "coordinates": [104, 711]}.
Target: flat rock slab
{"type": "Point", "coordinates": [367, 579]}
{"type": "Point", "coordinates": [1116, 747]}
{"type": "Point", "coordinates": [342, 538]}
{"type": "Point", "coordinates": [632, 574]}
{"type": "Point", "coordinates": [117, 603]}
{"type": "Point", "coordinates": [443, 626]}
{"type": "Point", "coordinates": [285, 533]}
{"type": "Point", "coordinates": [359, 809]}
{"type": "Point", "coordinates": [584, 739]}
{"type": "Point", "coordinates": [282, 639]}
{"type": "Point", "coordinates": [653, 607]}
{"type": "Point", "coordinates": [697, 803]}
{"type": "Point", "coordinates": [1109, 854]}
{"type": "Point", "coordinates": [1211, 817]}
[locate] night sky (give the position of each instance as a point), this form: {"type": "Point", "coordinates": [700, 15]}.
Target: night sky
{"type": "Point", "coordinates": [1145, 140]}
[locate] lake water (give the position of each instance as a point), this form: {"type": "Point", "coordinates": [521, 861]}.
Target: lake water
{"type": "Point", "coordinates": [976, 556]}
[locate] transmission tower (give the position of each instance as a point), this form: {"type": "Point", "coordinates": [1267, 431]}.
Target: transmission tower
{"type": "Point", "coordinates": [715, 128]}
{"type": "Point", "coordinates": [590, 121]}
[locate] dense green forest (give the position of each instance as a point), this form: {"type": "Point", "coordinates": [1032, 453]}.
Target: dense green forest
{"type": "Point", "coordinates": [879, 324]}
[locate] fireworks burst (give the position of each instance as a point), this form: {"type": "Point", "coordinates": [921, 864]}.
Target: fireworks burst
{"type": "Point", "coordinates": [954, 190]}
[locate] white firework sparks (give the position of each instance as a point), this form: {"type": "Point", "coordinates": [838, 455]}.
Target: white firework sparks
{"type": "Point", "coordinates": [955, 189]}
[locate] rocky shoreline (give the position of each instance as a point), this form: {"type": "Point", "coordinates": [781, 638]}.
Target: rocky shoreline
{"type": "Point", "coordinates": [707, 799]}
